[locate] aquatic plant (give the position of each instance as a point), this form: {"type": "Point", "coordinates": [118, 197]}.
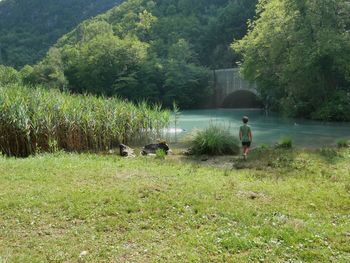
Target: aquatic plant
{"type": "Point", "coordinates": [342, 143]}
{"type": "Point", "coordinates": [40, 120]}
{"type": "Point", "coordinates": [285, 142]}
{"type": "Point", "coordinates": [214, 140]}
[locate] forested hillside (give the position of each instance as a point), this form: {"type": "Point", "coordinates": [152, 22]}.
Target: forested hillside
{"type": "Point", "coordinates": [29, 28]}
{"type": "Point", "coordinates": [159, 50]}
{"type": "Point", "coordinates": [298, 52]}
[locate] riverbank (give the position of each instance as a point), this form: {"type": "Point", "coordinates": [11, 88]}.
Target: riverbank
{"type": "Point", "coordinates": [284, 205]}
{"type": "Point", "coordinates": [267, 129]}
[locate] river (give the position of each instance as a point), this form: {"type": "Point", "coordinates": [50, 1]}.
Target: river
{"type": "Point", "coordinates": [267, 129]}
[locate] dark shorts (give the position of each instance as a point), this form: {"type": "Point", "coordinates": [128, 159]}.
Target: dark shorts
{"type": "Point", "coordinates": [246, 144]}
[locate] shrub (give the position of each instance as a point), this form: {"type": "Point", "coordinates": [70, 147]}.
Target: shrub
{"type": "Point", "coordinates": [335, 108]}
{"type": "Point", "coordinates": [215, 140]}
{"type": "Point", "coordinates": [342, 143]}
{"type": "Point", "coordinates": [9, 75]}
{"type": "Point", "coordinates": [285, 142]}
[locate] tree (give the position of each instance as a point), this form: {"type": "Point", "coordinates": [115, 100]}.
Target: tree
{"type": "Point", "coordinates": [147, 50]}
{"type": "Point", "coordinates": [9, 75]}
{"type": "Point", "coordinates": [50, 70]}
{"type": "Point", "coordinates": [104, 63]}
{"type": "Point", "coordinates": [185, 82]}
{"type": "Point", "coordinates": [298, 51]}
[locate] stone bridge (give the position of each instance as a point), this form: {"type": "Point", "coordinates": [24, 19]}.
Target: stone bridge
{"type": "Point", "coordinates": [231, 91]}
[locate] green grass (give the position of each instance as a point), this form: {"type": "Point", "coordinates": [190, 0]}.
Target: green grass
{"type": "Point", "coordinates": [285, 142]}
{"type": "Point", "coordinates": [160, 153]}
{"type": "Point", "coordinates": [283, 205]}
{"type": "Point", "coordinates": [343, 143]}
{"type": "Point", "coordinates": [214, 140]}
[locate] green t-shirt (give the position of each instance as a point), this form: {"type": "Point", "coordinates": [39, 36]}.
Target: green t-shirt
{"type": "Point", "coordinates": [245, 130]}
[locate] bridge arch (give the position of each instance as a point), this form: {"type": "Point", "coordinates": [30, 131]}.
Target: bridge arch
{"type": "Point", "coordinates": [243, 98]}
{"type": "Point", "coordinates": [228, 84]}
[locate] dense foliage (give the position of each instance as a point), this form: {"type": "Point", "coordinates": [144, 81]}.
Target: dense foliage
{"type": "Point", "coordinates": [40, 120]}
{"type": "Point", "coordinates": [159, 50]}
{"type": "Point", "coordinates": [299, 53]}
{"type": "Point", "coordinates": [29, 28]}
{"type": "Point", "coordinates": [9, 75]}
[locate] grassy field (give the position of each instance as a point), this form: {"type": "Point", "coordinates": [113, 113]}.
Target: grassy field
{"type": "Point", "coordinates": [279, 206]}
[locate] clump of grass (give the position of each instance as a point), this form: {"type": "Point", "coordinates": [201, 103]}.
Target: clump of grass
{"type": "Point", "coordinates": [328, 152]}
{"type": "Point", "coordinates": [264, 146]}
{"type": "Point", "coordinates": [176, 113]}
{"type": "Point", "coordinates": [262, 149]}
{"type": "Point", "coordinates": [285, 143]}
{"type": "Point", "coordinates": [347, 187]}
{"type": "Point", "coordinates": [160, 154]}
{"type": "Point", "coordinates": [36, 120]}
{"type": "Point", "coordinates": [215, 140]}
{"type": "Point", "coordinates": [342, 143]}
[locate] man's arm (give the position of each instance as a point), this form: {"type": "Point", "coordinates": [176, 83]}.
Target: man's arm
{"type": "Point", "coordinates": [240, 134]}
{"type": "Point", "coordinates": [250, 136]}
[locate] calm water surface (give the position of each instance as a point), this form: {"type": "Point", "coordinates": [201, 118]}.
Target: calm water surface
{"type": "Point", "coordinates": [267, 129]}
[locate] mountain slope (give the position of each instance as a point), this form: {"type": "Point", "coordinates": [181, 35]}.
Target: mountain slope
{"type": "Point", "coordinates": [160, 50]}
{"type": "Point", "coordinates": [29, 28]}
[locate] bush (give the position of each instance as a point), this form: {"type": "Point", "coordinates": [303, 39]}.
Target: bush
{"type": "Point", "coordinates": [285, 142]}
{"type": "Point", "coordinates": [342, 143]}
{"type": "Point", "coordinates": [9, 75]}
{"type": "Point", "coordinates": [336, 108]}
{"type": "Point", "coordinates": [215, 140]}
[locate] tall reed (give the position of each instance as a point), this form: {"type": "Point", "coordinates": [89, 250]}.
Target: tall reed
{"type": "Point", "coordinates": [40, 120]}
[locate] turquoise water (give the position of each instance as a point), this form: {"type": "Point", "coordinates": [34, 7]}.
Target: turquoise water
{"type": "Point", "coordinates": [266, 129]}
